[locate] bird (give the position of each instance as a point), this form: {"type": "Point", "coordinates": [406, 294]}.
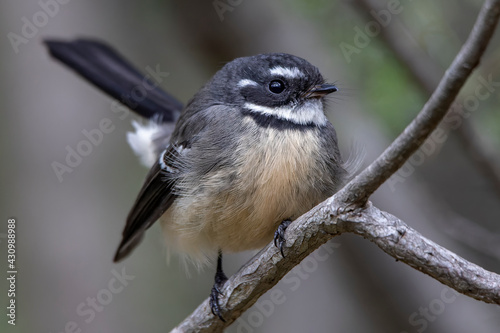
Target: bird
{"type": "Point", "coordinates": [249, 153]}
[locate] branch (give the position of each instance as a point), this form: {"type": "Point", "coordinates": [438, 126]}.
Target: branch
{"type": "Point", "coordinates": [400, 241]}
{"type": "Point", "coordinates": [424, 73]}
{"type": "Point", "coordinates": [318, 226]}
{"type": "Point", "coordinates": [359, 190]}
{"type": "Point", "coordinates": [350, 211]}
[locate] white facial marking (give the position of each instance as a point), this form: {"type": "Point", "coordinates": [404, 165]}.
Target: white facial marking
{"type": "Point", "coordinates": [310, 112]}
{"type": "Point", "coordinates": [288, 72]}
{"type": "Point", "coordinates": [246, 82]}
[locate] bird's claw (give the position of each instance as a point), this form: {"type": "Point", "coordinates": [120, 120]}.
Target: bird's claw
{"type": "Point", "coordinates": [279, 235]}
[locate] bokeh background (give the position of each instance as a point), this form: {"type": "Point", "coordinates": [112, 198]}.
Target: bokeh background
{"type": "Point", "coordinates": [384, 56]}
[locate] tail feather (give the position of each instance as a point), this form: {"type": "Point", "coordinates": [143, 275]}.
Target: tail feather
{"type": "Point", "coordinates": [149, 140]}
{"type": "Point", "coordinates": [102, 66]}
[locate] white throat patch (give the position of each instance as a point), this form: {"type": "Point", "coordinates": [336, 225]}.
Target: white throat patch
{"type": "Point", "coordinates": [310, 112]}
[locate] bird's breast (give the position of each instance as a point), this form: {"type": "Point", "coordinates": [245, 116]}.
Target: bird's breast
{"type": "Point", "coordinates": [271, 178]}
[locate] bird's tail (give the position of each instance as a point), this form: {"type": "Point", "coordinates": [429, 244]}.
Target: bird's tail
{"type": "Point", "coordinates": [105, 68]}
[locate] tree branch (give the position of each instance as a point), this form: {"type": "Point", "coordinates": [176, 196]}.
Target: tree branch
{"type": "Point", "coordinates": [424, 73]}
{"type": "Point", "coordinates": [400, 241]}
{"type": "Point", "coordinates": [360, 189]}
{"type": "Point", "coordinates": [318, 226]}
{"type": "Point", "coordinates": [350, 211]}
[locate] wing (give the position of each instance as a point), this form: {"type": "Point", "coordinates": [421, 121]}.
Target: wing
{"type": "Point", "coordinates": [155, 197]}
{"type": "Point", "coordinates": [105, 68]}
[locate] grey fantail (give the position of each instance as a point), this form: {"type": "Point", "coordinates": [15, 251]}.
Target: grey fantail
{"type": "Point", "coordinates": [250, 152]}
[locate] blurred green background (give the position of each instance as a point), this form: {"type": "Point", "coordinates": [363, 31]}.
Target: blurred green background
{"type": "Point", "coordinates": [380, 54]}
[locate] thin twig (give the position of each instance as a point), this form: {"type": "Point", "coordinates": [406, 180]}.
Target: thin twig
{"type": "Point", "coordinates": [425, 73]}
{"type": "Point", "coordinates": [360, 189]}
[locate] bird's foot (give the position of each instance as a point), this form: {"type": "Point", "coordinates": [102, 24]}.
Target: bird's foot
{"type": "Point", "coordinates": [220, 280]}
{"type": "Point", "coordinates": [279, 235]}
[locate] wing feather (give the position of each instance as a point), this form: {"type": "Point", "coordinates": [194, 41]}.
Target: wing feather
{"type": "Point", "coordinates": [155, 197]}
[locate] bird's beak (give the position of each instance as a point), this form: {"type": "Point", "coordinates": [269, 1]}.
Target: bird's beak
{"type": "Point", "coordinates": [320, 90]}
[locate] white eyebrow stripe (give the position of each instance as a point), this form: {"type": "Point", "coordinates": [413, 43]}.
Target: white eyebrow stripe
{"type": "Point", "coordinates": [288, 72]}
{"type": "Point", "coordinates": [310, 112]}
{"type": "Point", "coordinates": [247, 82]}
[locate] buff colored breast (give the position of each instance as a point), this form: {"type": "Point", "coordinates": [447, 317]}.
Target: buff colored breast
{"type": "Point", "coordinates": [242, 207]}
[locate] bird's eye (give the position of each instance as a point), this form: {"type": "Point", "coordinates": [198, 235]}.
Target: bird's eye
{"type": "Point", "coordinates": [276, 86]}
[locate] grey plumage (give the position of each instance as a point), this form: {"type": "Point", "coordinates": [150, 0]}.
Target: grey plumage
{"type": "Point", "coordinates": [251, 151]}
{"type": "Point", "coordinates": [221, 201]}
